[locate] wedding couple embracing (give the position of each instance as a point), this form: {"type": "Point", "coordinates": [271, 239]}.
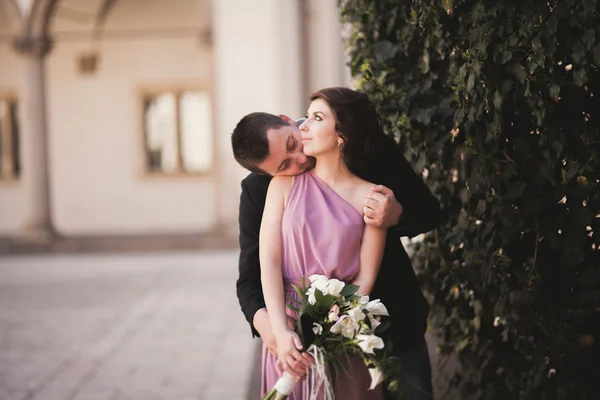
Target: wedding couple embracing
{"type": "Point", "coordinates": [330, 196]}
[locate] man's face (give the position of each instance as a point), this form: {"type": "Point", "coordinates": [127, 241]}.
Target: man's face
{"type": "Point", "coordinates": [285, 152]}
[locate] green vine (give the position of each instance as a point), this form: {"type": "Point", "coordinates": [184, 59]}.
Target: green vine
{"type": "Point", "coordinates": [499, 101]}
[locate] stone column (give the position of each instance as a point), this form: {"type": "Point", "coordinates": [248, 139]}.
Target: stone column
{"type": "Point", "coordinates": [257, 65]}
{"type": "Point", "coordinates": [325, 48]}
{"type": "Point", "coordinates": [34, 139]}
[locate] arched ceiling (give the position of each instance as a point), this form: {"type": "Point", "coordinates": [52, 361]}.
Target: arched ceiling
{"type": "Point", "coordinates": [10, 19]}
{"type": "Point", "coordinates": [77, 20]}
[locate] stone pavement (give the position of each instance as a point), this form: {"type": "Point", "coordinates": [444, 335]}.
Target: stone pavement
{"type": "Point", "coordinates": [123, 327]}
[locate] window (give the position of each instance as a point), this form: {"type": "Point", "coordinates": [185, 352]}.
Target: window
{"type": "Point", "coordinates": [10, 162]}
{"type": "Point", "coordinates": [178, 132]}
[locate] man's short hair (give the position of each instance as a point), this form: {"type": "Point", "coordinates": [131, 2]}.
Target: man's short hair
{"type": "Point", "coordinates": [249, 139]}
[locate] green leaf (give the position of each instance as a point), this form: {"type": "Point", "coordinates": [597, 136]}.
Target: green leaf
{"type": "Point", "coordinates": [291, 307]}
{"type": "Point", "coordinates": [596, 54]}
{"type": "Point", "coordinates": [518, 72]}
{"type": "Point", "coordinates": [477, 307]}
{"type": "Point", "coordinates": [480, 210]}
{"type": "Point", "coordinates": [299, 303]}
{"type": "Point", "coordinates": [462, 344]}
{"type": "Point", "coordinates": [318, 295]}
{"type": "Point", "coordinates": [572, 169]}
{"type": "Point", "coordinates": [470, 82]}
{"type": "Point", "coordinates": [579, 76]}
{"type": "Point", "coordinates": [384, 50]}
{"type": "Point", "coordinates": [554, 90]}
{"type": "Point", "coordinates": [349, 290]}
{"type": "Point", "coordinates": [515, 190]}
{"type": "Point", "coordinates": [589, 38]}
{"type": "Point", "coordinates": [497, 99]}
{"type": "Point", "coordinates": [578, 53]}
{"type": "Point", "coordinates": [300, 292]}
{"type": "Point", "coordinates": [558, 147]}
{"type": "Point", "coordinates": [324, 302]}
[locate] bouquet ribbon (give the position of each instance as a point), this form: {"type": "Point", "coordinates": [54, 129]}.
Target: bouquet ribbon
{"type": "Point", "coordinates": [320, 375]}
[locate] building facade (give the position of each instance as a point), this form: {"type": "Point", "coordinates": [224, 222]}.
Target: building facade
{"type": "Point", "coordinates": [115, 115]}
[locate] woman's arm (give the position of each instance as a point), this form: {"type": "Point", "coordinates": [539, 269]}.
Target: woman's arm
{"type": "Point", "coordinates": [288, 343]}
{"type": "Point", "coordinates": [270, 253]}
{"type": "Point", "coordinates": [371, 254]}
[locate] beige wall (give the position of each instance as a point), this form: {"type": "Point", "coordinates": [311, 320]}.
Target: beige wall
{"type": "Point", "coordinates": [97, 182]}
{"type": "Point", "coordinates": [12, 195]}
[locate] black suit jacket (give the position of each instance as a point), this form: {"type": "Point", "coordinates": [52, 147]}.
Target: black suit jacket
{"type": "Point", "coordinates": [396, 284]}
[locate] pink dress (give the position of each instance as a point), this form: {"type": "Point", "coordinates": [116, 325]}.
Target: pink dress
{"type": "Point", "coordinates": [321, 234]}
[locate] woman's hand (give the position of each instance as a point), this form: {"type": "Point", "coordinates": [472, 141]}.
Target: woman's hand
{"type": "Point", "coordinates": [290, 357]}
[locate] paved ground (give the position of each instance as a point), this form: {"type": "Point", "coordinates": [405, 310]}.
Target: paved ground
{"type": "Point", "coordinates": [123, 327]}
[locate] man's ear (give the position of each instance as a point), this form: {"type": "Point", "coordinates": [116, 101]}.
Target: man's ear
{"type": "Point", "coordinates": [287, 119]}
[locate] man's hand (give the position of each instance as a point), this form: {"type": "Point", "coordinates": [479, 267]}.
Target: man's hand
{"type": "Point", "coordinates": [381, 208]}
{"type": "Point", "coordinates": [263, 325]}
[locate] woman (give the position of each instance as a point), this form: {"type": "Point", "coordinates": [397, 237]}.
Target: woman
{"type": "Point", "coordinates": [313, 224]}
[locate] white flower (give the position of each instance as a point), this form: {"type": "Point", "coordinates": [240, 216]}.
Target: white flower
{"type": "Point", "coordinates": [335, 287]}
{"type": "Point", "coordinates": [376, 307]}
{"type": "Point", "coordinates": [346, 326]}
{"type": "Point", "coordinates": [319, 282]}
{"type": "Point", "coordinates": [369, 342]}
{"type": "Point", "coordinates": [363, 300]}
{"type": "Point", "coordinates": [311, 295]}
{"type": "Point", "coordinates": [374, 323]}
{"type": "Point", "coordinates": [356, 314]}
{"type": "Point", "coordinates": [317, 329]}
{"type": "Point", "coordinates": [334, 313]}
{"type": "Point", "coordinates": [376, 377]}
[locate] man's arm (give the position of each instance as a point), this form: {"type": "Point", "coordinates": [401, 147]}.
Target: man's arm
{"type": "Point", "coordinates": [249, 289]}
{"type": "Point", "coordinates": [420, 209]}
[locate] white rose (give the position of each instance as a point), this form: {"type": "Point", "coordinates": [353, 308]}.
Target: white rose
{"type": "Point", "coordinates": [311, 295]}
{"type": "Point", "coordinates": [363, 300]}
{"type": "Point", "coordinates": [346, 326]}
{"type": "Point", "coordinates": [369, 342]}
{"type": "Point", "coordinates": [376, 307]}
{"type": "Point", "coordinates": [317, 328]}
{"type": "Point", "coordinates": [376, 377]}
{"type": "Point", "coordinates": [319, 282]}
{"type": "Point", "coordinates": [356, 314]}
{"type": "Point", "coordinates": [335, 287]}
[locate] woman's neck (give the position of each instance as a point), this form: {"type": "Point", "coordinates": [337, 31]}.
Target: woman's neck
{"type": "Point", "coordinates": [331, 169]}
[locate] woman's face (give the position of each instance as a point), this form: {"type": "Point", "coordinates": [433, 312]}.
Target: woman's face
{"type": "Point", "coordinates": [318, 131]}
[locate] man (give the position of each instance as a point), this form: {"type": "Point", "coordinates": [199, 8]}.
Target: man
{"type": "Point", "coordinates": [270, 145]}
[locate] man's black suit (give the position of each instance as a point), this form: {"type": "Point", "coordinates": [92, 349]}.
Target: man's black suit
{"type": "Point", "coordinates": [396, 285]}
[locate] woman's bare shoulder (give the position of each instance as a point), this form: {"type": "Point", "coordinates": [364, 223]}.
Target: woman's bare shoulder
{"type": "Point", "coordinates": [363, 186]}
{"type": "Point", "coordinates": [280, 186]}
{"type": "Point", "coordinates": [281, 181]}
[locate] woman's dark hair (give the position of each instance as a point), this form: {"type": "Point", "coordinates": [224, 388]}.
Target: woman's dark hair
{"type": "Point", "coordinates": [356, 122]}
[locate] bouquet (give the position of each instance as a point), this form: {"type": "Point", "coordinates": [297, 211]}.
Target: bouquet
{"type": "Point", "coordinates": [334, 321]}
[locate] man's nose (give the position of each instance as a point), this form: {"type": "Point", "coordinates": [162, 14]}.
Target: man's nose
{"type": "Point", "coordinates": [301, 158]}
